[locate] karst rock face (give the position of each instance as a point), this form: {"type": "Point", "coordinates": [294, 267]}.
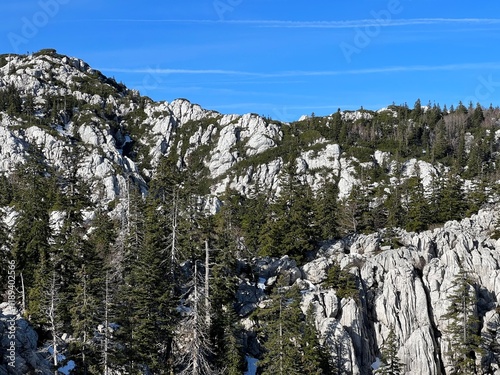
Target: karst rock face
{"type": "Point", "coordinates": [122, 137]}
{"type": "Point", "coordinates": [27, 358]}
{"type": "Point", "coordinates": [404, 289]}
{"type": "Point", "coordinates": [73, 102]}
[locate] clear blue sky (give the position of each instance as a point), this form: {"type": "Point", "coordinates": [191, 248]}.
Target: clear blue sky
{"type": "Point", "coordinates": [278, 58]}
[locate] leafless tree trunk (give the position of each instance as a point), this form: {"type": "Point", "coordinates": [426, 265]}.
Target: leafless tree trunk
{"type": "Point", "coordinates": [53, 300]}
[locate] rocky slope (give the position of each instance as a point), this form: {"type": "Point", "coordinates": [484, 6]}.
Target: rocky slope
{"type": "Point", "coordinates": [404, 289]}
{"type": "Point", "coordinates": [122, 136]}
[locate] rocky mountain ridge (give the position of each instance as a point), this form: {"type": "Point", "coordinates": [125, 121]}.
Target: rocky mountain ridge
{"type": "Point", "coordinates": [110, 120]}
{"type": "Point", "coordinates": [403, 279]}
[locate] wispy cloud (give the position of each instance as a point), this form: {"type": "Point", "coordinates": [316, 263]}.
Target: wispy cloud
{"type": "Point", "coordinates": [311, 73]}
{"type": "Point", "coordinates": [346, 24]}
{"type": "Point", "coordinates": [375, 22]}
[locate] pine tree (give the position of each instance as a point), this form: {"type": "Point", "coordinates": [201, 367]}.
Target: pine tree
{"type": "Point", "coordinates": [224, 330]}
{"type": "Point", "coordinates": [253, 219]}
{"type": "Point", "coordinates": [315, 356]}
{"type": "Point", "coordinates": [229, 351]}
{"type": "Point", "coordinates": [147, 313]}
{"type": "Point", "coordinates": [391, 364]}
{"type": "Point", "coordinates": [290, 228]}
{"type": "Point", "coordinates": [452, 202]}
{"type": "Point", "coordinates": [5, 249]}
{"type": "Point", "coordinates": [327, 210]}
{"type": "Point", "coordinates": [417, 214]}
{"type": "Point", "coordinates": [462, 330]}
{"type": "Point", "coordinates": [281, 323]}
{"type": "Point", "coordinates": [395, 212]}
{"type": "Point", "coordinates": [289, 338]}
{"type": "Point", "coordinates": [6, 193]}
{"type": "Point", "coordinates": [344, 282]}
{"type": "Point", "coordinates": [32, 231]}
{"type": "Point", "coordinates": [353, 212]}
{"type": "Point", "coordinates": [87, 310]}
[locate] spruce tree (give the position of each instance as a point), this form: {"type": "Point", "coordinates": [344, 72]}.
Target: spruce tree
{"type": "Point", "coordinates": [87, 310]}
{"type": "Point", "coordinates": [417, 214]}
{"type": "Point", "coordinates": [147, 314]}
{"type": "Point", "coordinates": [290, 228]}
{"type": "Point", "coordinates": [327, 210]}
{"type": "Point", "coordinates": [344, 282]}
{"type": "Point", "coordinates": [452, 202]}
{"type": "Point", "coordinates": [32, 199]}
{"type": "Point", "coordinates": [289, 338]}
{"type": "Point", "coordinates": [391, 364]}
{"type": "Point", "coordinates": [462, 325]}
{"type": "Point", "coordinates": [281, 322]}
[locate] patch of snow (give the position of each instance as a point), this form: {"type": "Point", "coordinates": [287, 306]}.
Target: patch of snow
{"type": "Point", "coordinates": [68, 367]}
{"type": "Point", "coordinates": [262, 283]}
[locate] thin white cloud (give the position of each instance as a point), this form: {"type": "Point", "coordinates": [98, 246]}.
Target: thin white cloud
{"type": "Point", "coordinates": [153, 71]}
{"type": "Point", "coordinates": [343, 24]}
{"type": "Point", "coordinates": [376, 22]}
{"type": "Point", "coordinates": [305, 73]}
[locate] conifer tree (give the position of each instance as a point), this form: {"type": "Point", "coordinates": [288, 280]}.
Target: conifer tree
{"type": "Point", "coordinates": [281, 323]}
{"type": "Point", "coordinates": [352, 211]}
{"type": "Point", "coordinates": [5, 249]}
{"type": "Point", "coordinates": [394, 209]}
{"type": "Point", "coordinates": [146, 310]}
{"type": "Point", "coordinates": [32, 231]}
{"type": "Point", "coordinates": [253, 221]}
{"type": "Point", "coordinates": [391, 364]}
{"type": "Point", "coordinates": [5, 191]}
{"type": "Point", "coordinates": [290, 228]}
{"type": "Point", "coordinates": [327, 210]}
{"type": "Point", "coordinates": [289, 338]}
{"type": "Point", "coordinates": [87, 310]}
{"type": "Point", "coordinates": [452, 202]}
{"type": "Point", "coordinates": [197, 356]}
{"type": "Point", "coordinates": [417, 214]}
{"type": "Point", "coordinates": [342, 281]}
{"type": "Point", "coordinates": [462, 328]}
{"type": "Point", "coordinates": [225, 332]}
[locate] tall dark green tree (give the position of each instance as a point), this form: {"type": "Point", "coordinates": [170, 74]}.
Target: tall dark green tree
{"type": "Point", "coordinates": [327, 211]}
{"type": "Point", "coordinates": [391, 364]}
{"type": "Point", "coordinates": [290, 340]}
{"type": "Point", "coordinates": [253, 220]}
{"type": "Point", "coordinates": [32, 198]}
{"type": "Point", "coordinates": [417, 212]}
{"type": "Point", "coordinates": [463, 325]}
{"type": "Point", "coordinates": [452, 202]}
{"type": "Point", "coordinates": [147, 308]}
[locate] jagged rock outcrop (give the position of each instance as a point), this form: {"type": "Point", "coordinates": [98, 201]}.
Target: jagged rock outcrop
{"type": "Point", "coordinates": [121, 137]}
{"type": "Point", "coordinates": [404, 289]}
{"type": "Point", "coordinates": [26, 358]}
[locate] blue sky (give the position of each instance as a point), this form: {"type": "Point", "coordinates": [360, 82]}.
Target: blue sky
{"type": "Point", "coordinates": [274, 57]}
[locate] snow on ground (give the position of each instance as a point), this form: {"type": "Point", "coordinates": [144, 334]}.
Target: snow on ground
{"type": "Point", "coordinates": [262, 283]}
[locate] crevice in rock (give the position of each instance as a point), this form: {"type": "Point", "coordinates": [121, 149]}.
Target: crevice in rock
{"type": "Point", "coordinates": [436, 333]}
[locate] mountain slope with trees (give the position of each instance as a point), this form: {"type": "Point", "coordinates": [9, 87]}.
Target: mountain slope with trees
{"type": "Point", "coordinates": [158, 238]}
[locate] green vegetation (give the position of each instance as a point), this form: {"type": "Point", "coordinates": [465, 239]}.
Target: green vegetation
{"type": "Point", "coordinates": [161, 262]}
{"type": "Point", "coordinates": [344, 282]}
{"type": "Point", "coordinates": [463, 325]}
{"type": "Point", "coordinates": [391, 364]}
